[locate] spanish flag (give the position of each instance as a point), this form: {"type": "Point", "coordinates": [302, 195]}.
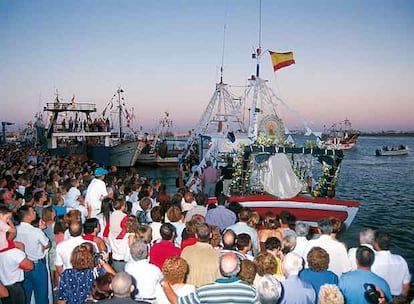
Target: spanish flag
{"type": "Point", "coordinates": [281, 60]}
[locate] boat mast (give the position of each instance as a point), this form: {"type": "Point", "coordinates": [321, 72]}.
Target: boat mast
{"type": "Point", "coordinates": [256, 83]}
{"type": "Point", "coordinates": [119, 91]}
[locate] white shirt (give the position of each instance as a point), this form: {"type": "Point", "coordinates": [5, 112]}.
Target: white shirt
{"type": "Point", "coordinates": [195, 210]}
{"type": "Point", "coordinates": [301, 244]}
{"type": "Point", "coordinates": [352, 255]}
{"type": "Point", "coordinates": [134, 197]}
{"type": "Point", "coordinates": [147, 277]}
{"type": "Point", "coordinates": [338, 257]}
{"type": "Point", "coordinates": [393, 269]}
{"type": "Point", "coordinates": [156, 235]}
{"type": "Point", "coordinates": [71, 198]}
{"type": "Point", "coordinates": [33, 239]}
{"type": "Point", "coordinates": [64, 251]}
{"type": "Point", "coordinates": [10, 272]}
{"type": "Point", "coordinates": [119, 247]}
{"type": "Point", "coordinates": [94, 194]}
{"type": "Point", "coordinates": [180, 291]}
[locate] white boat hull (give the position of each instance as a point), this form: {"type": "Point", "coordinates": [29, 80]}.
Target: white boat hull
{"type": "Point", "coordinates": [392, 152]}
{"type": "Point", "coordinates": [154, 160]}
{"type": "Point", "coordinates": [124, 154]}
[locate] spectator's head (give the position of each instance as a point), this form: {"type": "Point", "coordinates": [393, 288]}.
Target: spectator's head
{"type": "Point", "coordinates": [273, 245]}
{"type": "Point", "coordinates": [248, 270]}
{"type": "Point", "coordinates": [367, 236]}
{"type": "Point", "coordinates": [174, 214]}
{"type": "Point", "coordinates": [271, 220]}
{"type": "Point", "coordinates": [292, 264]}
{"type": "Point", "coordinates": [139, 250]}
{"type": "Point", "coordinates": [325, 226]}
{"type": "Point", "coordinates": [229, 265]}
{"type": "Point", "coordinates": [144, 232]}
{"type": "Point", "coordinates": [167, 232]}
{"type": "Point", "coordinates": [101, 288]}
{"type": "Point", "coordinates": [269, 289]}
{"type": "Point", "coordinates": [244, 214]}
{"type": "Point", "coordinates": [318, 259]}
{"type": "Point", "coordinates": [302, 229]}
{"type": "Point", "coordinates": [91, 225]}
{"type": "Point", "coordinates": [48, 214]}
{"type": "Point", "coordinates": [145, 203]}
{"type": "Point", "coordinates": [82, 257]}
{"type": "Point", "coordinates": [365, 257]}
{"type": "Point", "coordinates": [203, 233]}
{"type": "Point", "coordinates": [330, 294]}
{"type": "Point", "coordinates": [382, 240]}
{"type": "Point", "coordinates": [336, 225]}
{"type": "Point", "coordinates": [266, 263]}
{"type": "Point", "coordinates": [288, 243]}
{"type": "Point", "coordinates": [156, 214]}
{"type": "Point", "coordinates": [215, 238]}
{"type": "Point", "coordinates": [132, 224]}
{"type": "Point", "coordinates": [243, 242]}
{"type": "Point", "coordinates": [119, 204]}
{"type": "Point", "coordinates": [122, 285]}
{"type": "Point", "coordinates": [229, 239]}
{"type": "Point", "coordinates": [190, 228]}
{"type": "Point", "coordinates": [286, 218]}
{"type": "Point", "coordinates": [75, 229]}
{"type": "Point", "coordinates": [175, 270]}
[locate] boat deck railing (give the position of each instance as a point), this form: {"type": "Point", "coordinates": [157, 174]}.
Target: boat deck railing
{"type": "Point", "coordinates": [71, 107]}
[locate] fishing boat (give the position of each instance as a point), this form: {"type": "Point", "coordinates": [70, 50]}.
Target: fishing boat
{"type": "Point", "coordinates": [392, 151]}
{"type": "Point", "coordinates": [163, 149]}
{"type": "Point", "coordinates": [71, 131]}
{"type": "Point", "coordinates": [270, 172]}
{"type": "Point", "coordinates": [341, 136]}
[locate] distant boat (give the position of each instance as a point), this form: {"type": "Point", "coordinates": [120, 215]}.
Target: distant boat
{"type": "Point", "coordinates": [83, 137]}
{"type": "Point", "coordinates": [164, 149]}
{"type": "Point", "coordinates": [341, 136]}
{"type": "Point", "coordinates": [392, 151]}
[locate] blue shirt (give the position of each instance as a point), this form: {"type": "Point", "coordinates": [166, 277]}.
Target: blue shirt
{"type": "Point", "coordinates": [75, 285]}
{"type": "Point", "coordinates": [298, 291]}
{"type": "Point", "coordinates": [318, 278]}
{"type": "Point", "coordinates": [220, 217]}
{"type": "Point", "coordinates": [352, 283]}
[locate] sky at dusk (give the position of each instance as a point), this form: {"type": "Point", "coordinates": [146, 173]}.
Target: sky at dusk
{"type": "Point", "coordinates": [354, 59]}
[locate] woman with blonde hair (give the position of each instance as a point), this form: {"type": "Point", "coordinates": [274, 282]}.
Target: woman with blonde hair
{"type": "Point", "coordinates": [174, 270]}
{"type": "Point", "coordinates": [330, 294]}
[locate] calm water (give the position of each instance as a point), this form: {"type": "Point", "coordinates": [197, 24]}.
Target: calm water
{"type": "Point", "coordinates": [383, 185]}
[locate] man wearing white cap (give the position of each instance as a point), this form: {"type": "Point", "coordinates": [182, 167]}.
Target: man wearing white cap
{"type": "Point", "coordinates": [96, 191]}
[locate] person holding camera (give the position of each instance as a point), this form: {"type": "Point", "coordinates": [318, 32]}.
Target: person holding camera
{"type": "Point", "coordinates": [75, 283]}
{"type": "Point", "coordinates": [362, 285]}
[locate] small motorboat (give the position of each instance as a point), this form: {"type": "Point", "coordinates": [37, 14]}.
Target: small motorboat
{"type": "Point", "coordinates": [392, 151]}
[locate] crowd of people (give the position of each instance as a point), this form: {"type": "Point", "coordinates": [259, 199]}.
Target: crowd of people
{"type": "Point", "coordinates": [74, 232]}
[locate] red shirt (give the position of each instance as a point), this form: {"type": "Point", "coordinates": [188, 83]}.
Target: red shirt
{"type": "Point", "coordinates": [188, 242]}
{"type": "Point", "coordinates": [161, 251]}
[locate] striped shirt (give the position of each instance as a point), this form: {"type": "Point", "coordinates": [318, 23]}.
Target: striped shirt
{"type": "Point", "coordinates": [223, 290]}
